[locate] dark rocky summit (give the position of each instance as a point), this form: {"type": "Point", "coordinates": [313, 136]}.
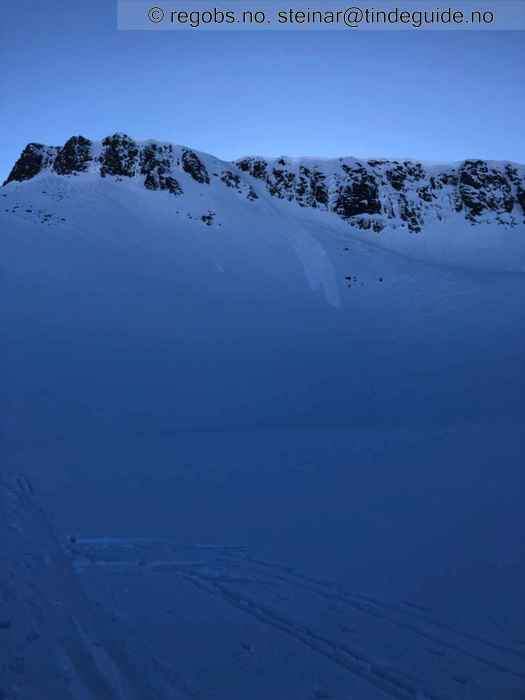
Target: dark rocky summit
{"type": "Point", "coordinates": [34, 158]}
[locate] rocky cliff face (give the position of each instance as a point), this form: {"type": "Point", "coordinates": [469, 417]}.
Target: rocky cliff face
{"type": "Point", "coordinates": [376, 193]}
{"type": "Point", "coordinates": [367, 194]}
{"type": "Point", "coordinates": [33, 160]}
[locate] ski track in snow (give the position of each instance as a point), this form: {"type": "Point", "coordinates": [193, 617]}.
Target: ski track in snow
{"type": "Point", "coordinates": [306, 614]}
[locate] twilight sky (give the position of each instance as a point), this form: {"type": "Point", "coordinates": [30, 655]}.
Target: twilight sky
{"type": "Point", "coordinates": [434, 95]}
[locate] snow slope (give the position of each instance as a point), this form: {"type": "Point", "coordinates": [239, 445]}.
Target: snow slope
{"type": "Point", "coordinates": [52, 643]}
{"type": "Point", "coordinates": [470, 213]}
{"type": "Point", "coordinates": [343, 403]}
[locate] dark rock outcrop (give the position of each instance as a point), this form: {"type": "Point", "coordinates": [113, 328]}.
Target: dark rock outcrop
{"type": "Point", "coordinates": [156, 165]}
{"type": "Point", "coordinates": [73, 157]}
{"type": "Point", "coordinates": [482, 188]}
{"type": "Point", "coordinates": [208, 218]}
{"type": "Point", "coordinates": [32, 160]}
{"type": "Point", "coordinates": [119, 157]}
{"type": "Point", "coordinates": [521, 199]}
{"type": "Point", "coordinates": [256, 167]}
{"type": "Point", "coordinates": [231, 179]}
{"type": "Point", "coordinates": [359, 196]}
{"type": "Point", "coordinates": [192, 165]}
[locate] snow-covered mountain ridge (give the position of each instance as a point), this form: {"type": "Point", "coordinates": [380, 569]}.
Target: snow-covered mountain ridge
{"type": "Point", "coordinates": [367, 194]}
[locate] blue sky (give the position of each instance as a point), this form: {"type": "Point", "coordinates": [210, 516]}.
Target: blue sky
{"type": "Point", "coordinates": [433, 95]}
